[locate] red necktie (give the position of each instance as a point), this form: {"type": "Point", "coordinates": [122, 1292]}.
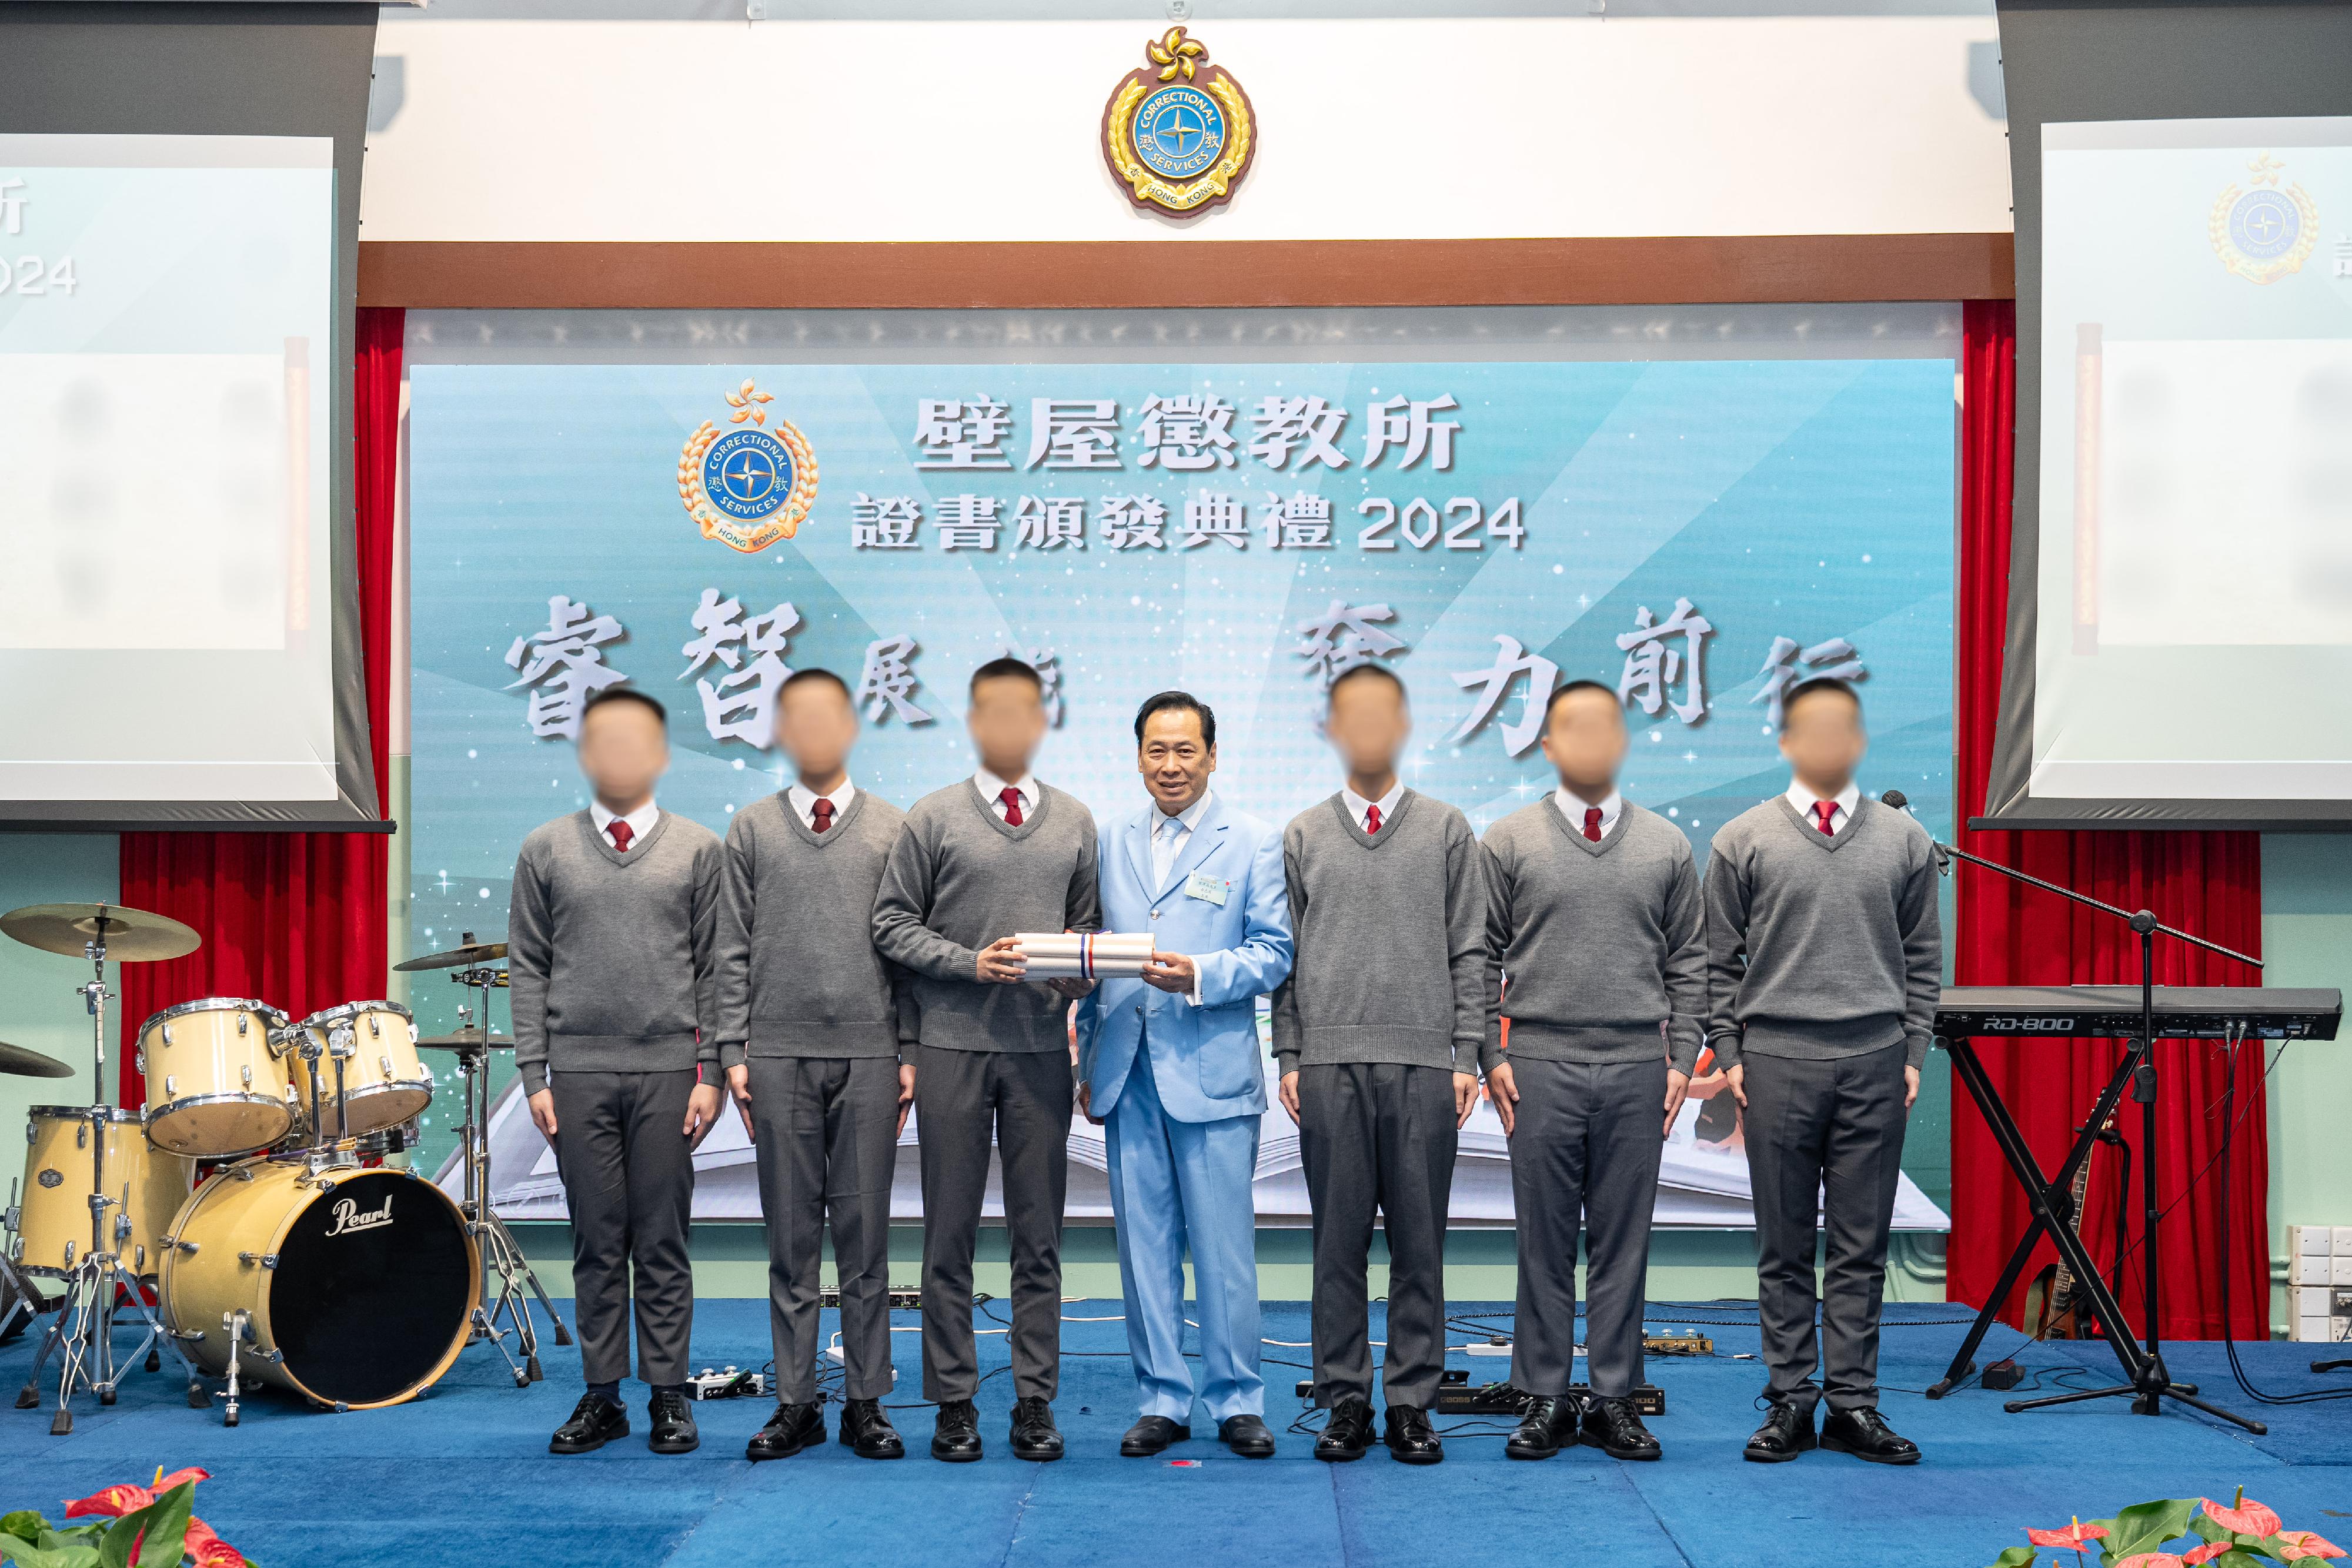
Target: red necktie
{"type": "Point", "coordinates": [1825, 810]}
{"type": "Point", "coordinates": [1012, 799]}
{"type": "Point", "coordinates": [622, 833]}
{"type": "Point", "coordinates": [822, 812]}
{"type": "Point", "coordinates": [1372, 818]}
{"type": "Point", "coordinates": [1592, 823]}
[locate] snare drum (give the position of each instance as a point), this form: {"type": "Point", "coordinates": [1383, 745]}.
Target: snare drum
{"type": "Point", "coordinates": [216, 1082]}
{"type": "Point", "coordinates": [53, 1222]}
{"type": "Point", "coordinates": [384, 1081]}
{"type": "Point", "coordinates": [351, 1286]}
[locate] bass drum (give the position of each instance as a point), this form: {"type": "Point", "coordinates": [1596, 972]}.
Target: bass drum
{"type": "Point", "coordinates": [357, 1287]}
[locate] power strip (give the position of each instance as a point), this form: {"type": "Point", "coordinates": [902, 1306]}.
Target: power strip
{"type": "Point", "coordinates": [728, 1383]}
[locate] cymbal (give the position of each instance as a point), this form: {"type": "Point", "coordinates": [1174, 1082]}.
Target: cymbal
{"type": "Point", "coordinates": [455, 958]}
{"type": "Point", "coordinates": [18, 1063]}
{"type": "Point", "coordinates": [464, 1039]}
{"type": "Point", "coordinates": [131, 936]}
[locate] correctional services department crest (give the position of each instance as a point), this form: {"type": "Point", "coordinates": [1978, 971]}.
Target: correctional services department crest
{"type": "Point", "coordinates": [1179, 132]}
{"type": "Point", "coordinates": [2262, 232]}
{"type": "Point", "coordinates": [750, 486]}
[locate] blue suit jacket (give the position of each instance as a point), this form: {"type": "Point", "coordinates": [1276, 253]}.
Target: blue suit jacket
{"type": "Point", "coordinates": [1207, 1062]}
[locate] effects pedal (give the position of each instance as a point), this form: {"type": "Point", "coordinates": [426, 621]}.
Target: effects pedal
{"type": "Point", "coordinates": [901, 1301]}
{"type": "Point", "coordinates": [728, 1383]}
{"type": "Point", "coordinates": [1688, 1342]}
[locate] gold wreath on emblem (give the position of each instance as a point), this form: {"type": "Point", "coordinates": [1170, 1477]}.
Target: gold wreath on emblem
{"type": "Point", "coordinates": [1172, 56]}
{"type": "Point", "coordinates": [757, 534]}
{"type": "Point", "coordinates": [2264, 171]}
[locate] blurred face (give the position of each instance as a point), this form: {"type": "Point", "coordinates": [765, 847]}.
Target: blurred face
{"type": "Point", "coordinates": [1823, 740]}
{"type": "Point", "coordinates": [1584, 740]}
{"type": "Point", "coordinates": [1174, 760]}
{"type": "Point", "coordinates": [622, 750]}
{"type": "Point", "coordinates": [1007, 723]}
{"type": "Point", "coordinates": [1368, 724]}
{"type": "Point", "coordinates": [816, 725]}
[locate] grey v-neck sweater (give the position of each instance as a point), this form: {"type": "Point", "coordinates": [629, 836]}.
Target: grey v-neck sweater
{"type": "Point", "coordinates": [957, 880]}
{"type": "Point", "coordinates": [609, 956]}
{"type": "Point", "coordinates": [1390, 932]}
{"type": "Point", "coordinates": [798, 975]}
{"type": "Point", "coordinates": [1603, 942]}
{"type": "Point", "coordinates": [1821, 946]}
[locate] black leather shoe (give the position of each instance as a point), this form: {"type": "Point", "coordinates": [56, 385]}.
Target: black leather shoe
{"type": "Point", "coordinates": [1614, 1426]}
{"type": "Point", "coordinates": [1409, 1436]}
{"type": "Point", "coordinates": [1151, 1436]}
{"type": "Point", "coordinates": [1865, 1434]}
{"type": "Point", "coordinates": [1347, 1433]}
{"type": "Point", "coordinates": [1786, 1433]}
{"type": "Point", "coordinates": [673, 1430]}
{"type": "Point", "coordinates": [1246, 1436]}
{"type": "Point", "coordinates": [867, 1432]}
{"type": "Point", "coordinates": [955, 1434]}
{"type": "Point", "coordinates": [595, 1421]}
{"type": "Point", "coordinates": [791, 1428]}
{"type": "Point", "coordinates": [1035, 1436]}
{"type": "Point", "coordinates": [1546, 1427]}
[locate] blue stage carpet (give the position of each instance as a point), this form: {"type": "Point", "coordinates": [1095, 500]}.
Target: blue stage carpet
{"type": "Point", "coordinates": [462, 1477]}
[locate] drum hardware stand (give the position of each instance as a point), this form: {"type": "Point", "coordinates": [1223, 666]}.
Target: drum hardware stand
{"type": "Point", "coordinates": [16, 1293]}
{"type": "Point", "coordinates": [501, 1251]}
{"type": "Point", "coordinates": [2149, 1383]}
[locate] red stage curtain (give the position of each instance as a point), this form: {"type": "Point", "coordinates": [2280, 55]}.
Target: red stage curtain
{"type": "Point", "coordinates": [294, 919]}
{"type": "Point", "coordinates": [2209, 884]}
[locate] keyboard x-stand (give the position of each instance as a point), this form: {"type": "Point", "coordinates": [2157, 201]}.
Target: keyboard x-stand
{"type": "Point", "coordinates": [2148, 1384]}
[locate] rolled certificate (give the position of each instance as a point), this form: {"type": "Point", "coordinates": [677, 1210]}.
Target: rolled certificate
{"type": "Point", "coordinates": [1086, 955]}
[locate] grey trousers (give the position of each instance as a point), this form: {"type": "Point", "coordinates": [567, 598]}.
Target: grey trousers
{"type": "Point", "coordinates": [1378, 1136]}
{"type": "Point", "coordinates": [825, 1132]}
{"type": "Point", "coordinates": [1832, 1130]}
{"type": "Point", "coordinates": [1023, 1100]}
{"type": "Point", "coordinates": [1585, 1147]}
{"type": "Point", "coordinates": [628, 1180]}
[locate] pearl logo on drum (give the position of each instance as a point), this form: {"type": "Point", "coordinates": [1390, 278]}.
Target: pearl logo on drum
{"type": "Point", "coordinates": [349, 1219]}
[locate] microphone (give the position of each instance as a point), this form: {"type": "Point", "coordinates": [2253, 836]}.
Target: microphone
{"type": "Point", "coordinates": [1897, 801]}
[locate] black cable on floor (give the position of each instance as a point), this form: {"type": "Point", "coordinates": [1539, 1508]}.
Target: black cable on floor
{"type": "Point", "coordinates": [2237, 1368]}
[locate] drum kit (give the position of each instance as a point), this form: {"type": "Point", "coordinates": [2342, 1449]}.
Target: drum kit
{"type": "Point", "coordinates": [246, 1219]}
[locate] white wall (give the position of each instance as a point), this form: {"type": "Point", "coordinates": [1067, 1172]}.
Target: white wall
{"type": "Point", "coordinates": [1405, 128]}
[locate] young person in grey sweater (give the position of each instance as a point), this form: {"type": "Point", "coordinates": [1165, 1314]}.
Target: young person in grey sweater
{"type": "Point", "coordinates": [1824, 960]}
{"type": "Point", "coordinates": [1375, 1034]}
{"type": "Point", "coordinates": [610, 957]}
{"type": "Point", "coordinates": [812, 1020]}
{"type": "Point", "coordinates": [1596, 950]}
{"type": "Point", "coordinates": [978, 862]}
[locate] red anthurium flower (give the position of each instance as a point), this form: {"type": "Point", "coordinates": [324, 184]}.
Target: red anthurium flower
{"type": "Point", "coordinates": [2150, 1560]}
{"type": "Point", "coordinates": [2073, 1538]}
{"type": "Point", "coordinates": [2244, 1518]}
{"type": "Point", "coordinates": [2301, 1543]}
{"type": "Point", "coordinates": [2205, 1553]}
{"type": "Point", "coordinates": [209, 1550]}
{"type": "Point", "coordinates": [115, 1501]}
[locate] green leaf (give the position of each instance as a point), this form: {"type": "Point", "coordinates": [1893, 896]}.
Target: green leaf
{"type": "Point", "coordinates": [15, 1549]}
{"type": "Point", "coordinates": [24, 1524]}
{"type": "Point", "coordinates": [163, 1524]}
{"type": "Point", "coordinates": [2202, 1526]}
{"type": "Point", "coordinates": [2015, 1557]}
{"type": "Point", "coordinates": [2148, 1526]}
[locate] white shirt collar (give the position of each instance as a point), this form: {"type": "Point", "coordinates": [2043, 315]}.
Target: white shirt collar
{"type": "Point", "coordinates": [805, 801]}
{"type": "Point", "coordinates": [992, 789]}
{"type": "Point", "coordinates": [641, 820]}
{"type": "Point", "coordinates": [1803, 799]}
{"type": "Point", "coordinates": [1573, 806]}
{"type": "Point", "coordinates": [1358, 807]}
{"type": "Point", "coordinates": [1190, 815]}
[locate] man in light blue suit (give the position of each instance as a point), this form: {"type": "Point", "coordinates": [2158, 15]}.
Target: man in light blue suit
{"type": "Point", "coordinates": [1170, 1065]}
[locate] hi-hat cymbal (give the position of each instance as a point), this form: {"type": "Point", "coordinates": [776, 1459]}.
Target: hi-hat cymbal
{"type": "Point", "coordinates": [17, 1063]}
{"type": "Point", "coordinates": [131, 936]}
{"type": "Point", "coordinates": [464, 1039]}
{"type": "Point", "coordinates": [455, 958]}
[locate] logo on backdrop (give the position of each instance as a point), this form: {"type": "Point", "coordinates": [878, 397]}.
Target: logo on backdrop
{"type": "Point", "coordinates": [2263, 233]}
{"type": "Point", "coordinates": [1179, 132]}
{"type": "Point", "coordinates": [750, 486]}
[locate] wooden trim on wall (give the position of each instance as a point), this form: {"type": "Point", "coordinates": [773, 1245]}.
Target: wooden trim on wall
{"type": "Point", "coordinates": [1143, 274]}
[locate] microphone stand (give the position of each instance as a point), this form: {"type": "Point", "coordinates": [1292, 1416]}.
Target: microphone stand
{"type": "Point", "coordinates": [2149, 1383]}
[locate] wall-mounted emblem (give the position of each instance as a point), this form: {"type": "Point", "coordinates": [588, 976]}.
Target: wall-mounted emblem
{"type": "Point", "coordinates": [751, 486]}
{"type": "Point", "coordinates": [2263, 233]}
{"type": "Point", "coordinates": [1179, 132]}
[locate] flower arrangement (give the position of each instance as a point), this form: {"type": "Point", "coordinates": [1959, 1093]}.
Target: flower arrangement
{"type": "Point", "coordinates": [130, 1526]}
{"type": "Point", "coordinates": [2178, 1532]}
